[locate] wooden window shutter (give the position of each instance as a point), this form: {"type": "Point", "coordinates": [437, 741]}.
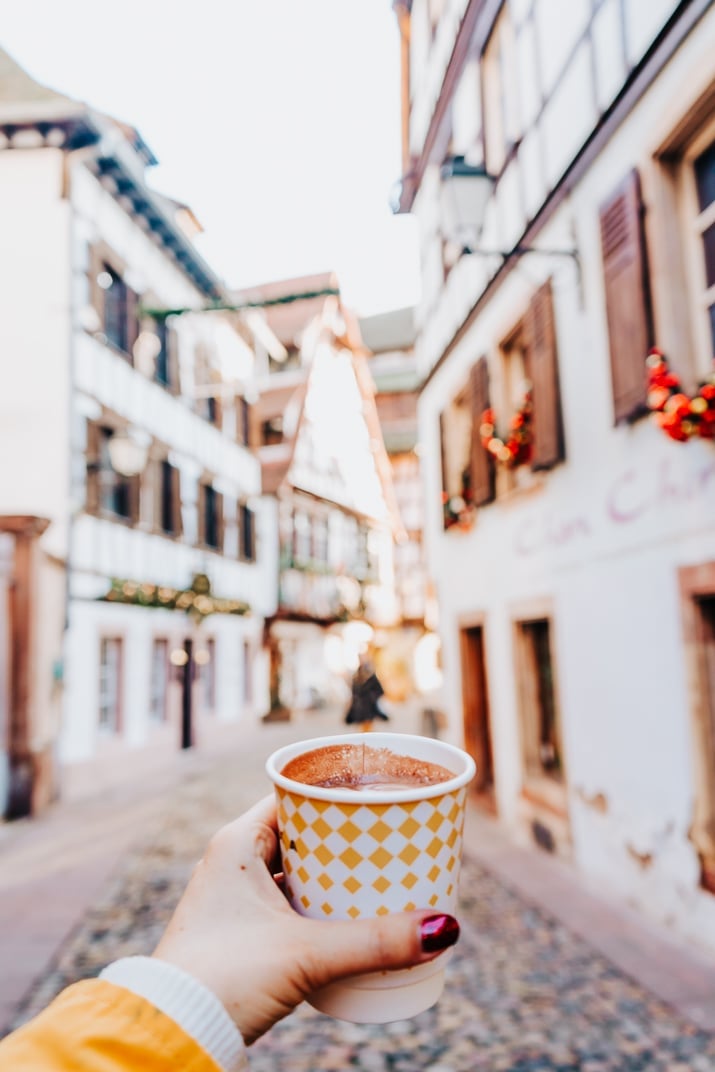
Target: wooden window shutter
{"type": "Point", "coordinates": [482, 467]}
{"type": "Point", "coordinates": [172, 347]}
{"type": "Point", "coordinates": [93, 462]}
{"type": "Point", "coordinates": [543, 366]}
{"type": "Point", "coordinates": [443, 452]}
{"type": "Point", "coordinates": [176, 501]}
{"type": "Point", "coordinates": [134, 485]}
{"type": "Point", "coordinates": [132, 321]}
{"type": "Point", "coordinates": [254, 427]}
{"type": "Point", "coordinates": [628, 306]}
{"type": "Point", "coordinates": [220, 527]}
{"type": "Point", "coordinates": [96, 294]}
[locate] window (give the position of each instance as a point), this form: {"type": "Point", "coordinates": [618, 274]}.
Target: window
{"type": "Point", "coordinates": [247, 533]}
{"type": "Point", "coordinates": [117, 309]}
{"type": "Point", "coordinates": [207, 385]}
{"type": "Point", "coordinates": [301, 537]}
{"type": "Point", "coordinates": [272, 431]}
{"type": "Point", "coordinates": [206, 659]}
{"type": "Point", "coordinates": [169, 504]}
{"type": "Point", "coordinates": [110, 684]}
{"type": "Point", "coordinates": [162, 363]}
{"type": "Point", "coordinates": [243, 421]}
{"type": "Point", "coordinates": [320, 540]}
{"type": "Point", "coordinates": [704, 174]}
{"type": "Point", "coordinates": [159, 679]}
{"type": "Point", "coordinates": [247, 672]}
{"type": "Point", "coordinates": [541, 740]}
{"type": "Point", "coordinates": [210, 517]}
{"type": "Point", "coordinates": [108, 493]}
{"type": "Point", "coordinates": [468, 471]}
{"type": "Point", "coordinates": [500, 93]}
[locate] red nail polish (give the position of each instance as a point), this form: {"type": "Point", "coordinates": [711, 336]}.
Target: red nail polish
{"type": "Point", "coordinates": [438, 933]}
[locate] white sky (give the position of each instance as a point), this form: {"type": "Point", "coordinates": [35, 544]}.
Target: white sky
{"type": "Point", "coordinates": [278, 121]}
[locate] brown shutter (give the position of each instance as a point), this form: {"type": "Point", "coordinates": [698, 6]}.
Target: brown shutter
{"type": "Point", "coordinates": [176, 501]}
{"type": "Point", "coordinates": [132, 321]}
{"type": "Point", "coordinates": [250, 550]}
{"type": "Point", "coordinates": [628, 308]}
{"type": "Point", "coordinates": [219, 521]}
{"type": "Point", "coordinates": [135, 486]}
{"type": "Point", "coordinates": [482, 468]}
{"type": "Point", "coordinates": [172, 345]}
{"type": "Point", "coordinates": [543, 366]}
{"type": "Point", "coordinates": [92, 459]}
{"type": "Point", "coordinates": [96, 294]}
{"type": "Point", "coordinates": [254, 427]}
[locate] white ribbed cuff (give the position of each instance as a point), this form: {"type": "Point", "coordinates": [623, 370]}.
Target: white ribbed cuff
{"type": "Point", "coordinates": [187, 1001]}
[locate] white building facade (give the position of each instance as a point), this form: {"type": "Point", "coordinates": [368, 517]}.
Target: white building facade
{"type": "Point", "coordinates": [576, 590]}
{"type": "Point", "coordinates": [167, 565]}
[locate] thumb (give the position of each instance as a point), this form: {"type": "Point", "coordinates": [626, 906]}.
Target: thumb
{"type": "Point", "coordinates": [386, 943]}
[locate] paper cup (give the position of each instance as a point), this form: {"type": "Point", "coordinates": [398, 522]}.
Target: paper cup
{"type": "Point", "coordinates": [349, 855]}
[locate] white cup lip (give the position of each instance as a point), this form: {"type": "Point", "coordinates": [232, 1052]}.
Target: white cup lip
{"type": "Point", "coordinates": [394, 741]}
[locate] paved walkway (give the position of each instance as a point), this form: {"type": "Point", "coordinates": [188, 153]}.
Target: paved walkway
{"type": "Point", "coordinates": [547, 976]}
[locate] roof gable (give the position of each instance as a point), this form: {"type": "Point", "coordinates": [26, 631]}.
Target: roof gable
{"type": "Point", "coordinates": [335, 454]}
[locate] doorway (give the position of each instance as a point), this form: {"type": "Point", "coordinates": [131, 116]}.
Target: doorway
{"type": "Point", "coordinates": [475, 705]}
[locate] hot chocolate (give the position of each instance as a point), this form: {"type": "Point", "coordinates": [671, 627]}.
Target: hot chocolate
{"type": "Point", "coordinates": [360, 767]}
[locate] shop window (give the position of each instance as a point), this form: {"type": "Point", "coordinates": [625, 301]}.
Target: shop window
{"type": "Point", "coordinates": [110, 684]}
{"type": "Point", "coordinates": [159, 679]}
{"type": "Point", "coordinates": [541, 733]}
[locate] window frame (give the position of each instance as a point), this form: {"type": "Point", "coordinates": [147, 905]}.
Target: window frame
{"type": "Point", "coordinates": [538, 786]}
{"type": "Point", "coordinates": [114, 728]}
{"type": "Point", "coordinates": [697, 584]}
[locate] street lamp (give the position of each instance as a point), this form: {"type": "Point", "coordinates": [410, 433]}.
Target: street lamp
{"type": "Point", "coordinates": [466, 190]}
{"type": "Point", "coordinates": [127, 454]}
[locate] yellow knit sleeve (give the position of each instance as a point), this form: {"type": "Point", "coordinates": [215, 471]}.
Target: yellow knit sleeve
{"type": "Point", "coordinates": [95, 1026]}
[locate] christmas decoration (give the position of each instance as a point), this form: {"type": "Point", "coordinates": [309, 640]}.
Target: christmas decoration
{"type": "Point", "coordinates": [517, 449]}
{"type": "Point", "coordinates": [197, 600]}
{"type": "Point", "coordinates": [680, 416]}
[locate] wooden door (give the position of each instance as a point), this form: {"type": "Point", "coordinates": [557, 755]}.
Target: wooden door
{"type": "Point", "coordinates": [475, 700]}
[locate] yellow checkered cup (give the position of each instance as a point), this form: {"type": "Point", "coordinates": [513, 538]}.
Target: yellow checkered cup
{"type": "Point", "coordinates": [348, 855]}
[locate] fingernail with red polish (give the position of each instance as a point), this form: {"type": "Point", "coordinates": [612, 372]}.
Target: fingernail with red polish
{"type": "Point", "coordinates": [438, 933]}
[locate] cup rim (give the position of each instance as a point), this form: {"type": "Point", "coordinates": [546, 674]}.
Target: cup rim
{"type": "Point", "coordinates": [281, 756]}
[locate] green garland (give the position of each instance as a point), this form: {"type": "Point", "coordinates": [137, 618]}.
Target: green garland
{"type": "Point", "coordinates": [197, 600]}
{"type": "Point", "coordinates": [230, 307]}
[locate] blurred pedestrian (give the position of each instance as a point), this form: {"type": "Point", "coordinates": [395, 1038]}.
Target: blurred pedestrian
{"type": "Point", "coordinates": [366, 692]}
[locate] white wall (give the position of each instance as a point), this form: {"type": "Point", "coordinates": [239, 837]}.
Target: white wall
{"type": "Point", "coordinates": [34, 339]}
{"type": "Point", "coordinates": [601, 538]}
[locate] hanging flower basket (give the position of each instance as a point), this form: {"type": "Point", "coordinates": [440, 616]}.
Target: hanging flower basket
{"type": "Point", "coordinates": [517, 448]}
{"type": "Point", "coordinates": [680, 416]}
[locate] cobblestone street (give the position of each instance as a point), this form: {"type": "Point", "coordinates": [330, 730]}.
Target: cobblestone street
{"type": "Point", "coordinates": [523, 993]}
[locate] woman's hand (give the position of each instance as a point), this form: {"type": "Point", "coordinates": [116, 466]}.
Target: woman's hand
{"type": "Point", "coordinates": [234, 931]}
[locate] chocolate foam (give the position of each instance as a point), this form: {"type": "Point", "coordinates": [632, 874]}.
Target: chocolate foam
{"type": "Point", "coordinates": [361, 767]}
